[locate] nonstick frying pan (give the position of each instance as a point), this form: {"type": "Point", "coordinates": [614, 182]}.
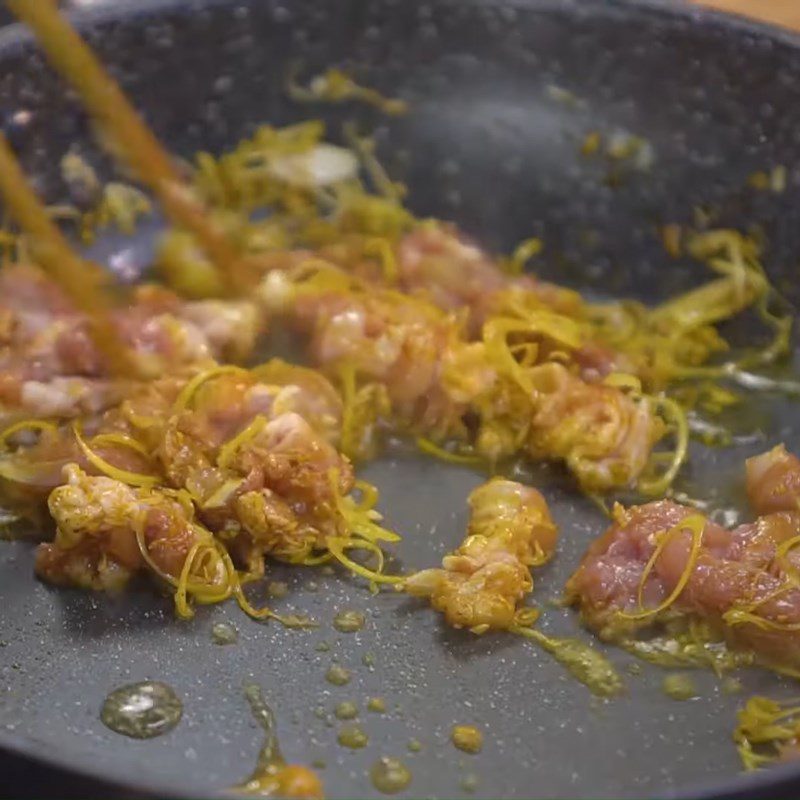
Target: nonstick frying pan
{"type": "Point", "coordinates": [502, 94]}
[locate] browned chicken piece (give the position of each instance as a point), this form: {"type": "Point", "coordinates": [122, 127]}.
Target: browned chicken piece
{"type": "Point", "coordinates": [50, 367]}
{"type": "Point", "coordinates": [481, 584]}
{"type": "Point", "coordinates": [96, 546]}
{"type": "Point", "coordinates": [663, 560]}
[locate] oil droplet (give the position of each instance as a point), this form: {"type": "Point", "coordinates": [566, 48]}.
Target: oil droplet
{"type": "Point", "coordinates": [319, 763]}
{"type": "Point", "coordinates": [142, 710]}
{"type": "Point", "coordinates": [467, 738]}
{"type": "Point", "coordinates": [277, 589]}
{"type": "Point", "coordinates": [224, 633]}
{"type": "Point", "coordinates": [349, 621]}
{"type": "Point", "coordinates": [312, 586]}
{"type": "Point", "coordinates": [415, 745]}
{"type": "Point", "coordinates": [273, 777]}
{"type": "Point", "coordinates": [469, 783]}
{"type": "Point", "coordinates": [346, 710]}
{"type": "Point", "coordinates": [319, 712]}
{"type": "Point", "coordinates": [634, 668]}
{"type": "Point", "coordinates": [337, 675]}
{"type": "Point", "coordinates": [352, 736]}
{"type": "Point", "coordinates": [679, 687]}
{"type": "Point", "coordinates": [376, 704]}
{"type": "Point", "coordinates": [389, 775]}
{"type": "Point", "coordinates": [323, 647]}
{"type": "Point", "coordinates": [368, 660]}
{"type": "Point", "coordinates": [328, 570]}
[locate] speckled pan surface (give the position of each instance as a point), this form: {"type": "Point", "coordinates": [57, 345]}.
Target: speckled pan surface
{"type": "Point", "coordinates": [501, 95]}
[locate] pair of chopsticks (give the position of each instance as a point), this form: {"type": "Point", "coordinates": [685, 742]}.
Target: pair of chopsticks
{"type": "Point", "coordinates": [131, 142]}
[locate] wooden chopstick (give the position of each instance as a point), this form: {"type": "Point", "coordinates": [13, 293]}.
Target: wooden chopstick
{"type": "Point", "coordinates": [82, 281]}
{"type": "Point", "coordinates": [130, 137]}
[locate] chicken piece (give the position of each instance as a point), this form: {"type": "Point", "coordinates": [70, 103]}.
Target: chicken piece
{"type": "Point", "coordinates": [440, 385]}
{"type": "Point", "coordinates": [262, 477]}
{"type": "Point", "coordinates": [49, 365]}
{"type": "Point", "coordinates": [96, 547]}
{"type": "Point", "coordinates": [385, 338]}
{"type": "Point", "coordinates": [603, 435]}
{"type": "Point", "coordinates": [740, 582]}
{"type": "Point", "coordinates": [308, 393]}
{"type": "Point", "coordinates": [480, 584]}
{"type": "Point", "coordinates": [222, 444]}
{"type": "Point", "coordinates": [773, 481]}
{"type": "Point", "coordinates": [439, 262]}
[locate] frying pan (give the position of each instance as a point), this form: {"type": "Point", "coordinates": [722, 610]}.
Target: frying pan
{"type": "Point", "coordinates": [502, 94]}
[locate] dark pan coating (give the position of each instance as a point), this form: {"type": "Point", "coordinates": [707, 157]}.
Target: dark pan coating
{"type": "Point", "coordinates": [502, 97]}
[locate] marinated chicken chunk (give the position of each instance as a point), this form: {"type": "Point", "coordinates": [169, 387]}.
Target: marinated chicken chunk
{"type": "Point", "coordinates": [663, 560]}
{"type": "Point", "coordinates": [773, 481]}
{"type": "Point", "coordinates": [105, 530]}
{"type": "Point", "coordinates": [480, 585]}
{"type": "Point", "coordinates": [243, 459]}
{"type": "Point", "coordinates": [438, 262]}
{"type": "Point", "coordinates": [441, 385]}
{"type": "Point", "coordinates": [50, 366]}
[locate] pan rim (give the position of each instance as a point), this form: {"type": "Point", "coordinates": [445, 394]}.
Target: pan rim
{"type": "Point", "coordinates": [13, 37]}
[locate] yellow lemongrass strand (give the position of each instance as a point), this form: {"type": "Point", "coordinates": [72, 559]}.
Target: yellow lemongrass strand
{"type": "Point", "coordinates": [106, 468]}
{"type": "Point", "coordinates": [695, 525]}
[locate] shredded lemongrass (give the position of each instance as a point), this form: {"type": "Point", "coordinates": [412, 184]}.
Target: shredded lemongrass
{"type": "Point", "coordinates": [383, 249]}
{"type": "Point", "coordinates": [246, 435]}
{"type": "Point", "coordinates": [743, 614]}
{"type": "Point", "coordinates": [108, 469]}
{"type": "Point", "coordinates": [736, 616]}
{"type": "Point", "coordinates": [369, 495]}
{"type": "Point", "coordinates": [695, 524]}
{"type": "Point", "coordinates": [526, 617]}
{"type": "Point", "coordinates": [358, 519]}
{"type": "Point", "coordinates": [120, 439]}
{"type": "Point", "coordinates": [524, 252]}
{"type": "Point", "coordinates": [203, 592]}
{"type": "Point", "coordinates": [42, 426]}
{"type": "Point", "coordinates": [623, 380]}
{"type": "Point", "coordinates": [141, 421]}
{"type": "Point", "coordinates": [555, 327]}
{"type": "Point", "coordinates": [336, 86]}
{"type": "Point", "coordinates": [220, 496]}
{"type": "Point", "coordinates": [676, 416]}
{"type": "Point", "coordinates": [765, 723]}
{"type": "Point", "coordinates": [337, 546]}
{"type": "Point", "coordinates": [432, 449]}
{"type": "Point", "coordinates": [364, 148]}
{"type": "Point", "coordinates": [190, 389]}
{"type": "Point", "coordinates": [314, 561]}
{"type": "Point", "coordinates": [601, 504]}
{"type": "Point", "coordinates": [182, 608]}
{"type": "Point", "coordinates": [29, 474]}
{"type": "Point", "coordinates": [290, 621]}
